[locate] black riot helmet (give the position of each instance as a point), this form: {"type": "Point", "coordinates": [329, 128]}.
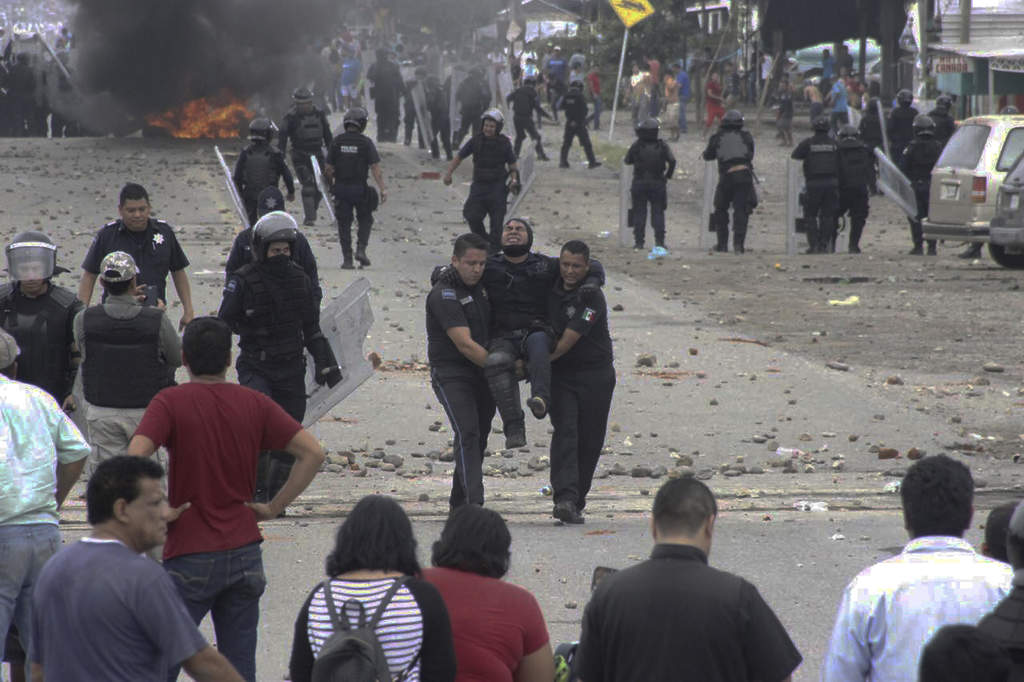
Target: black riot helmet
{"type": "Point", "coordinates": [821, 124]}
{"type": "Point", "coordinates": [732, 120]}
{"type": "Point", "coordinates": [31, 256]}
{"type": "Point", "coordinates": [276, 226]}
{"type": "Point", "coordinates": [302, 96]}
{"type": "Point", "coordinates": [261, 130]}
{"type": "Point", "coordinates": [647, 129]}
{"type": "Point", "coordinates": [904, 98]}
{"type": "Point", "coordinates": [530, 80]}
{"type": "Point", "coordinates": [577, 84]}
{"type": "Point", "coordinates": [848, 132]}
{"type": "Point", "coordinates": [494, 115]}
{"type": "Point", "coordinates": [1009, 111]}
{"type": "Point", "coordinates": [944, 102]}
{"type": "Point", "coordinates": [924, 126]}
{"type": "Point", "coordinates": [355, 118]}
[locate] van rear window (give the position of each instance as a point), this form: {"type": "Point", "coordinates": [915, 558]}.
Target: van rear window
{"type": "Point", "coordinates": [964, 149]}
{"type": "Point", "coordinates": [1012, 149]}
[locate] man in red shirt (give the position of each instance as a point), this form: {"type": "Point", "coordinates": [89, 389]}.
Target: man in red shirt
{"type": "Point", "coordinates": [594, 90]}
{"type": "Point", "coordinates": [213, 431]}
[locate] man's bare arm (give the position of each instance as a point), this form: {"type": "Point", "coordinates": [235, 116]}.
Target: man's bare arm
{"type": "Point", "coordinates": [67, 475]}
{"type": "Point", "coordinates": [184, 289]}
{"type": "Point", "coordinates": [565, 343]}
{"type": "Point", "coordinates": [464, 342]}
{"type": "Point", "coordinates": [309, 455]}
{"type": "Point", "coordinates": [141, 446]}
{"type": "Point", "coordinates": [209, 665]}
{"type": "Point", "coordinates": [86, 286]}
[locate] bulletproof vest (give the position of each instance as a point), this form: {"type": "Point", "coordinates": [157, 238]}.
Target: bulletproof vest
{"type": "Point", "coordinates": [575, 105]}
{"type": "Point", "coordinates": [732, 148]}
{"type": "Point", "coordinates": [259, 172]}
{"type": "Point", "coordinates": [43, 336]}
{"type": "Point", "coordinates": [920, 158]}
{"type": "Point", "coordinates": [523, 102]}
{"type": "Point", "coordinates": [821, 161]}
{"type": "Point", "coordinates": [649, 161]}
{"type": "Point", "coordinates": [518, 292]}
{"type": "Point", "coordinates": [944, 125]}
{"type": "Point", "coordinates": [871, 130]}
{"type": "Point", "coordinates": [489, 158]}
{"type": "Point", "coordinates": [122, 366]}
{"type": "Point", "coordinates": [856, 168]}
{"type": "Point", "coordinates": [273, 302]}
{"type": "Point", "coordinates": [903, 123]}
{"type": "Point", "coordinates": [351, 166]}
{"type": "Point", "coordinates": [308, 131]}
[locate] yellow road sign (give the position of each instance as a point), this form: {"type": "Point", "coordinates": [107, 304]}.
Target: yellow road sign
{"type": "Point", "coordinates": [632, 12]}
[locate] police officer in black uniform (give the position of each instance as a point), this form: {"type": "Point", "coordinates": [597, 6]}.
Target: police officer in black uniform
{"type": "Point", "coordinates": [574, 103]}
{"type": "Point", "coordinates": [918, 159]}
{"type": "Point", "coordinates": [440, 122]}
{"type": "Point", "coordinates": [494, 167]}
{"type": "Point", "coordinates": [386, 90]}
{"type": "Point", "coordinates": [653, 165]}
{"type": "Point", "coordinates": [856, 172]}
{"type": "Point", "coordinates": [582, 382]}
{"type": "Point", "coordinates": [351, 157]}
{"type": "Point", "coordinates": [458, 321]}
{"type": "Point", "coordinates": [307, 128]}
{"type": "Point", "coordinates": [900, 127]}
{"type": "Point", "coordinates": [39, 315]}
{"type": "Point", "coordinates": [944, 123]}
{"type": "Point", "coordinates": [525, 102]}
{"type": "Point", "coordinates": [820, 156]}
{"type": "Point", "coordinates": [473, 96]}
{"type": "Point", "coordinates": [269, 303]}
{"type": "Point", "coordinates": [870, 130]}
{"type": "Point", "coordinates": [409, 107]}
{"type": "Point", "coordinates": [733, 147]}
{"type": "Point", "coordinates": [260, 165]}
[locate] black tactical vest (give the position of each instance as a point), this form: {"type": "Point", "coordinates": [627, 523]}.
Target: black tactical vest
{"type": "Point", "coordinates": [351, 166]}
{"type": "Point", "coordinates": [821, 162]}
{"type": "Point", "coordinates": [259, 172]}
{"type": "Point", "coordinates": [309, 131]}
{"type": "Point", "coordinates": [523, 101]}
{"type": "Point", "coordinates": [122, 366]}
{"type": "Point", "coordinates": [489, 154]}
{"type": "Point", "coordinates": [649, 161]}
{"type": "Point", "coordinates": [856, 168]}
{"type": "Point", "coordinates": [920, 158]}
{"type": "Point", "coordinates": [43, 336]}
{"type": "Point", "coordinates": [273, 302]}
{"type": "Point", "coordinates": [732, 148]}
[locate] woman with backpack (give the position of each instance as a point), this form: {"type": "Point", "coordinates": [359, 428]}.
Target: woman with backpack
{"type": "Point", "coordinates": [373, 618]}
{"type": "Point", "coordinates": [498, 627]}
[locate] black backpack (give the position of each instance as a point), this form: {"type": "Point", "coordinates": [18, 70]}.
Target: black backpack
{"type": "Point", "coordinates": [353, 653]}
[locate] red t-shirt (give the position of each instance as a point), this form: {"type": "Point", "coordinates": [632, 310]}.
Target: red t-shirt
{"type": "Point", "coordinates": [595, 82]}
{"type": "Point", "coordinates": [214, 433]}
{"type": "Point", "coordinates": [494, 624]}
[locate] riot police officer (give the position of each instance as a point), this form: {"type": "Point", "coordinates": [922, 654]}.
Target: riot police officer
{"type": "Point", "coordinates": [820, 156]}
{"type": "Point", "coordinates": [259, 166]}
{"type": "Point", "coordinates": [458, 321]}
{"type": "Point", "coordinates": [269, 303]}
{"type": "Point", "coordinates": [574, 103]}
{"type": "Point", "coordinates": [39, 315]}
{"type": "Point", "coordinates": [494, 162]}
{"type": "Point", "coordinates": [473, 96]}
{"type": "Point", "coordinates": [944, 123]}
{"type": "Point", "coordinates": [440, 123]}
{"type": "Point", "coordinates": [733, 147]}
{"type": "Point", "coordinates": [351, 156]}
{"type": "Point", "coordinates": [653, 165]}
{"type": "Point", "coordinates": [307, 128]}
{"type": "Point", "coordinates": [525, 102]}
{"type": "Point", "coordinates": [918, 159]}
{"type": "Point", "coordinates": [900, 127]}
{"type": "Point", "coordinates": [856, 171]}
{"type": "Point", "coordinates": [870, 130]}
{"type": "Point", "coordinates": [386, 90]}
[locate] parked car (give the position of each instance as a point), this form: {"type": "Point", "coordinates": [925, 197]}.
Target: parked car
{"type": "Point", "coordinates": [1006, 234]}
{"type": "Point", "coordinates": [967, 178]}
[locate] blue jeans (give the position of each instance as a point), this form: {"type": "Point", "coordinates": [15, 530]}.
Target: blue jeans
{"type": "Point", "coordinates": [682, 113]}
{"type": "Point", "coordinates": [228, 585]}
{"type": "Point", "coordinates": [23, 551]}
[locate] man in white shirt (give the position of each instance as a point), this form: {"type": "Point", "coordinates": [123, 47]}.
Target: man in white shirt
{"type": "Point", "coordinates": [890, 610]}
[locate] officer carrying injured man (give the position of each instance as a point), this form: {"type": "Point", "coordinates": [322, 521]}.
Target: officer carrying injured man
{"type": "Point", "coordinates": [733, 147]}
{"type": "Point", "coordinates": [307, 128]}
{"type": "Point", "coordinates": [351, 156]}
{"type": "Point", "coordinates": [653, 166]}
{"type": "Point", "coordinates": [269, 303]}
{"type": "Point", "coordinates": [259, 166]}
{"type": "Point", "coordinates": [494, 173]}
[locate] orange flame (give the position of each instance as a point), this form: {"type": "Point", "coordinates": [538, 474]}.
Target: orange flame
{"type": "Point", "coordinates": [221, 116]}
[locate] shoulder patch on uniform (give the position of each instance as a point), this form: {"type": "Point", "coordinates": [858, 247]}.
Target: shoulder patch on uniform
{"type": "Point", "coordinates": [467, 300]}
{"type": "Point", "coordinates": [449, 295]}
{"type": "Point", "coordinates": [232, 286]}
{"type": "Point", "coordinates": [112, 222]}
{"type": "Point", "coordinates": [588, 314]}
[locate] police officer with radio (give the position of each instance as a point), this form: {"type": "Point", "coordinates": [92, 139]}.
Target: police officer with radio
{"type": "Point", "coordinates": [856, 173]}
{"type": "Point", "coordinates": [458, 322]}
{"type": "Point", "coordinates": [307, 128]}
{"type": "Point", "coordinates": [574, 103]}
{"type": "Point", "coordinates": [917, 162]}
{"type": "Point", "coordinates": [525, 102]}
{"type": "Point", "coordinates": [820, 156]}
{"type": "Point", "coordinates": [900, 126]}
{"type": "Point", "coordinates": [39, 315]}
{"type": "Point", "coordinates": [733, 147]}
{"type": "Point", "coordinates": [351, 157]}
{"type": "Point", "coordinates": [494, 173]}
{"type": "Point", "coordinates": [269, 303]}
{"type": "Point", "coordinates": [259, 166]}
{"type": "Point", "coordinates": [653, 165]}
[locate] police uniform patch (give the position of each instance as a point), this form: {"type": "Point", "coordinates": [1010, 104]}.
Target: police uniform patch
{"type": "Point", "coordinates": [232, 286]}
{"type": "Point", "coordinates": [588, 314]}
{"type": "Point", "coordinates": [570, 311]}
{"type": "Point", "coordinates": [449, 295]}
{"type": "Point", "coordinates": [467, 300]}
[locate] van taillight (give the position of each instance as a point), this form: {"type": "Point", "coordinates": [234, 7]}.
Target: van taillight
{"type": "Point", "coordinates": [978, 189]}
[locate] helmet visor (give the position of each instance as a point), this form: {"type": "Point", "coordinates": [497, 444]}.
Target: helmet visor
{"type": "Point", "coordinates": [28, 261]}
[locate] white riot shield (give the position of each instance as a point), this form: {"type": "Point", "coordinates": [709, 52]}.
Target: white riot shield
{"type": "Point", "coordinates": [527, 172]}
{"type": "Point", "coordinates": [328, 201]}
{"type": "Point", "coordinates": [232, 189]}
{"type": "Point", "coordinates": [371, 109]}
{"type": "Point", "coordinates": [895, 185]}
{"type": "Point", "coordinates": [794, 211]}
{"type": "Point", "coordinates": [626, 205]}
{"type": "Point", "coordinates": [345, 323]}
{"type": "Point", "coordinates": [492, 85]}
{"type": "Point", "coordinates": [423, 120]}
{"type": "Point", "coordinates": [454, 113]}
{"type": "Point", "coordinates": [854, 116]}
{"type": "Point", "coordinates": [704, 239]}
{"type": "Point", "coordinates": [881, 123]}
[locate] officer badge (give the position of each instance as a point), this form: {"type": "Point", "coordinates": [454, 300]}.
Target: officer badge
{"type": "Point", "coordinates": [570, 311]}
{"type": "Point", "coordinates": [158, 239]}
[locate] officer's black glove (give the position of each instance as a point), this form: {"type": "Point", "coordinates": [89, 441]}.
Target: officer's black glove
{"type": "Point", "coordinates": [328, 375]}
{"type": "Point", "coordinates": [514, 185]}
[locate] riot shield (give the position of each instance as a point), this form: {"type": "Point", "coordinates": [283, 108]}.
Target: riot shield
{"type": "Point", "coordinates": [794, 211]}
{"type": "Point", "coordinates": [853, 116]}
{"type": "Point", "coordinates": [527, 172]}
{"type": "Point", "coordinates": [232, 189]}
{"type": "Point", "coordinates": [885, 133]}
{"type": "Point", "coordinates": [492, 85]}
{"type": "Point", "coordinates": [704, 239]}
{"type": "Point", "coordinates": [419, 101]}
{"type": "Point", "coordinates": [895, 185]}
{"type": "Point", "coordinates": [626, 206]}
{"type": "Point", "coordinates": [454, 112]}
{"type": "Point", "coordinates": [322, 185]}
{"type": "Point", "coordinates": [345, 323]}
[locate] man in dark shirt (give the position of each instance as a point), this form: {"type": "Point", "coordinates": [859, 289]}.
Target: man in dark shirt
{"type": "Point", "coordinates": [582, 381]}
{"type": "Point", "coordinates": [673, 617]}
{"type": "Point", "coordinates": [1006, 622]}
{"type": "Point", "coordinates": [153, 246]}
{"type": "Point", "coordinates": [458, 317]}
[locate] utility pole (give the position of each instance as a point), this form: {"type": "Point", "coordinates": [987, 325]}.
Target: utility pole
{"type": "Point", "coordinates": [965, 21]}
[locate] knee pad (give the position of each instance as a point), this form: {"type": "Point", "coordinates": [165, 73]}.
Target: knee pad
{"type": "Point", "coordinates": [499, 361]}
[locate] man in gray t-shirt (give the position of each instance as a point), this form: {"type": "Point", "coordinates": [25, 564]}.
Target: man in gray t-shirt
{"type": "Point", "coordinates": [103, 611]}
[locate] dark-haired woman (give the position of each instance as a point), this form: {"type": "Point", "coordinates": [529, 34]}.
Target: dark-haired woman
{"type": "Point", "coordinates": [499, 630]}
{"type": "Point", "coordinates": [374, 547]}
